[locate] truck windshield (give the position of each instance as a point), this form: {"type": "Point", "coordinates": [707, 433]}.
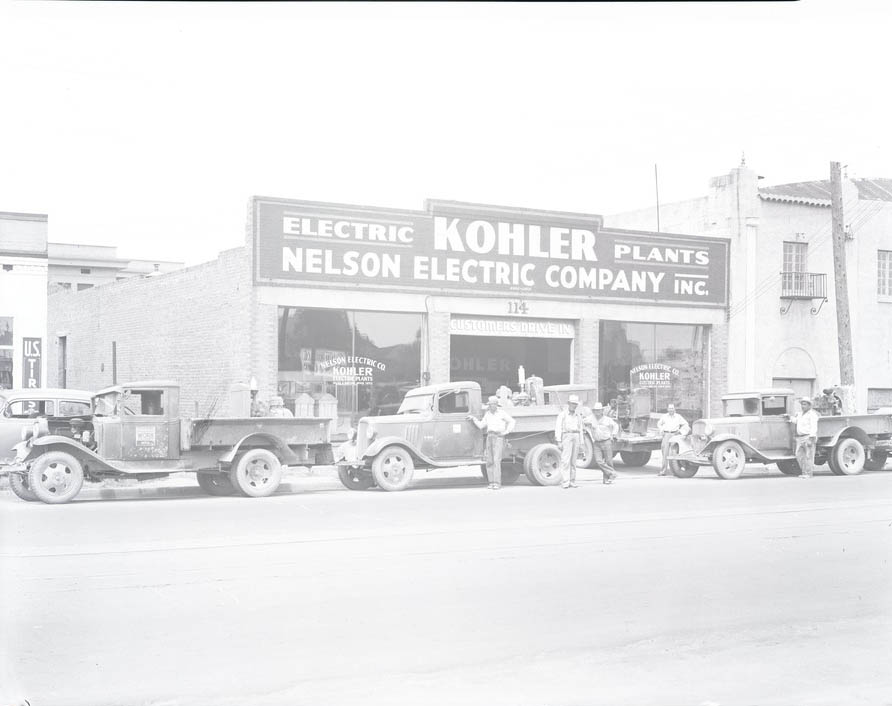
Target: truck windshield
{"type": "Point", "coordinates": [415, 405]}
{"type": "Point", "coordinates": [742, 407]}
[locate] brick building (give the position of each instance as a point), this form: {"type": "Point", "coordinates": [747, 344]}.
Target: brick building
{"type": "Point", "coordinates": [782, 314]}
{"type": "Point", "coordinates": [362, 303]}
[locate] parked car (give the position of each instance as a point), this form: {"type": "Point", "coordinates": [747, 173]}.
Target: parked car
{"type": "Point", "coordinates": [20, 408]}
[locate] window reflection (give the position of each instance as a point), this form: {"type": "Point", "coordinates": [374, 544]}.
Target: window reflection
{"type": "Point", "coordinates": [360, 363]}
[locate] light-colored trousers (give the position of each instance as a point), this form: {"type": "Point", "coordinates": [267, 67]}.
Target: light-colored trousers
{"type": "Point", "coordinates": [493, 457]}
{"type": "Point", "coordinates": [664, 450]}
{"type": "Point", "coordinates": [569, 451]}
{"type": "Point", "coordinates": [805, 454]}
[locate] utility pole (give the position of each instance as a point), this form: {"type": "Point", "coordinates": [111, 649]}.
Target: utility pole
{"type": "Point", "coordinates": [657, 188]}
{"type": "Point", "coordinates": [843, 322]}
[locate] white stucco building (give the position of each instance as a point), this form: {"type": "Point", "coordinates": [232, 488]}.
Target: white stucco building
{"type": "Point", "coordinates": [782, 313]}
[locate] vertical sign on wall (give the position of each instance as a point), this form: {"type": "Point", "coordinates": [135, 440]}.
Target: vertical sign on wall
{"type": "Point", "coordinates": [31, 362]}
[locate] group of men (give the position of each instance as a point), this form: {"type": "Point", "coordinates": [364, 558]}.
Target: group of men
{"type": "Point", "coordinates": [496, 424]}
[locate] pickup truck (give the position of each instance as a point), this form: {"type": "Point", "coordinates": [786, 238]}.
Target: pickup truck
{"type": "Point", "coordinates": [756, 427]}
{"type": "Point", "coordinates": [431, 430]}
{"type": "Point", "coordinates": [138, 434]}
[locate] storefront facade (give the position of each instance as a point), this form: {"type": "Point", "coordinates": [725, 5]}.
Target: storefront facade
{"type": "Point", "coordinates": [341, 309]}
{"type": "Point", "coordinates": [371, 302]}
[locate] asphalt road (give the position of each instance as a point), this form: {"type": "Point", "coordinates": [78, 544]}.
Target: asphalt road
{"type": "Point", "coordinates": [766, 590]}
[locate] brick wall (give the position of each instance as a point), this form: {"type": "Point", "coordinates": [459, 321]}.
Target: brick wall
{"type": "Point", "coordinates": [718, 369]}
{"type": "Point", "coordinates": [192, 326]}
{"type": "Point", "coordinates": [438, 341]}
{"type": "Point", "coordinates": [587, 345]}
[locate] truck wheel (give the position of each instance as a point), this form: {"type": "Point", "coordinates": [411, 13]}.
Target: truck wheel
{"type": "Point", "coordinates": [682, 469]}
{"type": "Point", "coordinates": [586, 453]}
{"type": "Point", "coordinates": [215, 484]}
{"type": "Point", "coordinates": [392, 468]}
{"type": "Point", "coordinates": [849, 456]}
{"type": "Point", "coordinates": [56, 477]}
{"type": "Point", "coordinates": [876, 462]}
{"type": "Point", "coordinates": [510, 473]}
{"type": "Point", "coordinates": [728, 460]}
{"type": "Point", "coordinates": [256, 473]}
{"type": "Point", "coordinates": [543, 465]}
{"type": "Point", "coordinates": [635, 458]}
{"type": "Point", "coordinates": [355, 478]}
{"type": "Point", "coordinates": [789, 468]}
{"type": "Point", "coordinates": [18, 483]}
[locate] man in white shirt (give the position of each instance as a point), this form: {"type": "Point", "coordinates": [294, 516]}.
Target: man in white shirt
{"type": "Point", "coordinates": [806, 435]}
{"type": "Point", "coordinates": [604, 431]}
{"type": "Point", "coordinates": [568, 434]}
{"type": "Point", "coordinates": [670, 424]}
{"type": "Point", "coordinates": [496, 424]}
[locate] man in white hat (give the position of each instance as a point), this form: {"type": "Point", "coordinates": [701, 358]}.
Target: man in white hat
{"type": "Point", "coordinates": [496, 424]}
{"type": "Point", "coordinates": [604, 431]}
{"type": "Point", "coordinates": [568, 434]}
{"type": "Point", "coordinates": [670, 424]}
{"type": "Point", "coordinates": [806, 422]}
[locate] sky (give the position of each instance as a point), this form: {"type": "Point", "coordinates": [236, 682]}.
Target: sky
{"type": "Point", "coordinates": [149, 126]}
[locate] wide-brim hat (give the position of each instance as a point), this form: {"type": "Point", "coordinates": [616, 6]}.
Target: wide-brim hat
{"type": "Point", "coordinates": [573, 399]}
{"type": "Point", "coordinates": [807, 400]}
{"type": "Point", "coordinates": [597, 406]}
{"type": "Point", "coordinates": [492, 400]}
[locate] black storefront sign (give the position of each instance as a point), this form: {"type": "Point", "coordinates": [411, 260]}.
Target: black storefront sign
{"type": "Point", "coordinates": [464, 249]}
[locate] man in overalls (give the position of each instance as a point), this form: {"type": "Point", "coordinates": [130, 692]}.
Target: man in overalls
{"type": "Point", "coordinates": [568, 434]}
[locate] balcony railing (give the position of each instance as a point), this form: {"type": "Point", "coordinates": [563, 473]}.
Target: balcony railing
{"type": "Point", "coordinates": [803, 285]}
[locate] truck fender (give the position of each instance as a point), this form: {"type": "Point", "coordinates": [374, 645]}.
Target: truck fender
{"type": "Point", "coordinates": [751, 451]}
{"type": "Point", "coordinates": [378, 445]}
{"type": "Point", "coordinates": [849, 433]}
{"type": "Point", "coordinates": [45, 444]}
{"type": "Point", "coordinates": [265, 440]}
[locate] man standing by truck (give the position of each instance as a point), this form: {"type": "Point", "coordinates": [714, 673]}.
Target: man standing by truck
{"type": "Point", "coordinates": [604, 431]}
{"type": "Point", "coordinates": [568, 435]}
{"type": "Point", "coordinates": [670, 424]}
{"type": "Point", "coordinates": [496, 424]}
{"type": "Point", "coordinates": [806, 437]}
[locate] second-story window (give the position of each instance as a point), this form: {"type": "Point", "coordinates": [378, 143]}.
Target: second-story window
{"type": "Point", "coordinates": [795, 257]}
{"type": "Point", "coordinates": [884, 273]}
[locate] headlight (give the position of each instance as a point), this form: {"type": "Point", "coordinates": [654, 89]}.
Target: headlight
{"type": "Point", "coordinates": [85, 437]}
{"type": "Point", "coordinates": [708, 431]}
{"type": "Point", "coordinates": [27, 432]}
{"type": "Point", "coordinates": [352, 435]}
{"type": "Point", "coordinates": [371, 434]}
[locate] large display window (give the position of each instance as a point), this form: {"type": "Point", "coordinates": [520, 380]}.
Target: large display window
{"type": "Point", "coordinates": [364, 360]}
{"type": "Point", "coordinates": [653, 365]}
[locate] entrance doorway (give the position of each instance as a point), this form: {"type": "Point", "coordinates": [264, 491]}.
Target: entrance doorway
{"type": "Point", "coordinates": [492, 361]}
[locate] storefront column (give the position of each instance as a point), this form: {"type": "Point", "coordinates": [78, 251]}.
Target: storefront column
{"type": "Point", "coordinates": [718, 368]}
{"type": "Point", "coordinates": [437, 354]}
{"type": "Point", "coordinates": [585, 364]}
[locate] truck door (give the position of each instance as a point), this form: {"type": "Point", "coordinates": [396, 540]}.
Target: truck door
{"type": "Point", "coordinates": [146, 428]}
{"type": "Point", "coordinates": [778, 432]}
{"type": "Point", "coordinates": [454, 435]}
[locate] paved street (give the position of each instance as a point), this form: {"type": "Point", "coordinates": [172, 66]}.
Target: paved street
{"type": "Point", "coordinates": [766, 590]}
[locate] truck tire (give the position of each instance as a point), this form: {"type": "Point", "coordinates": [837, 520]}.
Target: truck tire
{"type": "Point", "coordinates": [876, 462]}
{"type": "Point", "coordinates": [635, 458]}
{"type": "Point", "coordinates": [682, 469]}
{"type": "Point", "coordinates": [56, 477]}
{"type": "Point", "coordinates": [510, 473]}
{"type": "Point", "coordinates": [256, 473]}
{"type": "Point", "coordinates": [217, 484]}
{"type": "Point", "coordinates": [848, 456]}
{"type": "Point", "coordinates": [18, 484]}
{"type": "Point", "coordinates": [542, 465]}
{"type": "Point", "coordinates": [355, 478]}
{"type": "Point", "coordinates": [789, 468]}
{"type": "Point", "coordinates": [728, 460]}
{"type": "Point", "coordinates": [392, 468]}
